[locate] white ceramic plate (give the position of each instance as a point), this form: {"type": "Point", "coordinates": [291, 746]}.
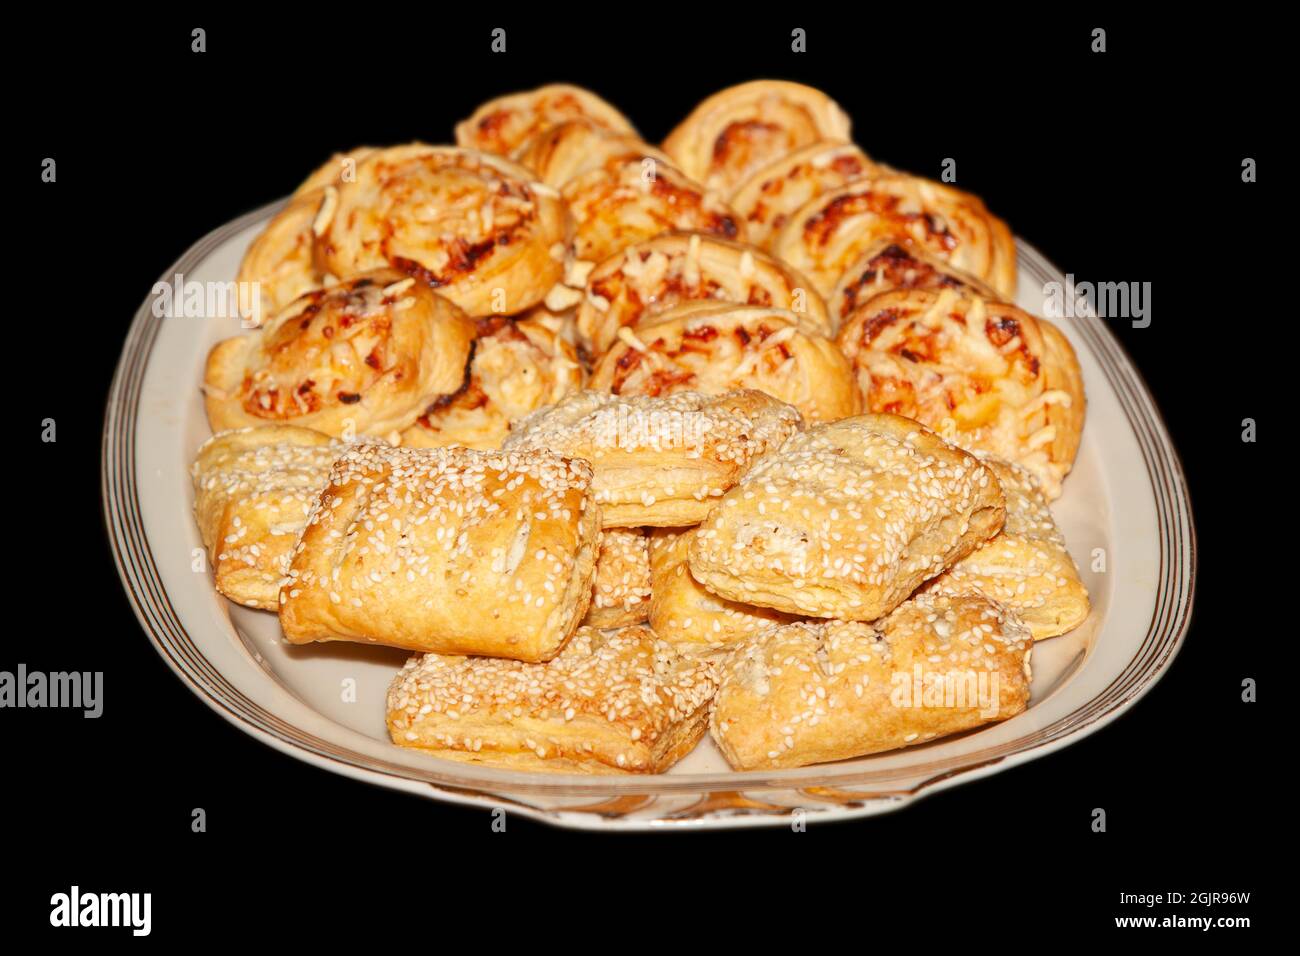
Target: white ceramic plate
{"type": "Point", "coordinates": [1126, 497]}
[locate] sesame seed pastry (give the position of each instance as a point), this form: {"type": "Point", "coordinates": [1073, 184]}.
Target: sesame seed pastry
{"type": "Point", "coordinates": [827, 235]}
{"type": "Point", "coordinates": [715, 347]}
{"type": "Point", "coordinates": [650, 277]}
{"type": "Point", "coordinates": [1026, 566]}
{"type": "Point", "coordinates": [616, 701]}
{"type": "Point", "coordinates": [810, 693]}
{"type": "Point", "coordinates": [515, 368]}
{"type": "Point", "coordinates": [984, 374]}
{"type": "Point", "coordinates": [560, 153]}
{"type": "Point", "coordinates": [253, 490]}
{"type": "Point", "coordinates": [634, 196]}
{"type": "Point", "coordinates": [739, 130]}
{"type": "Point", "coordinates": [503, 124]}
{"type": "Point", "coordinates": [280, 264]}
{"type": "Point", "coordinates": [364, 357]}
{"type": "Point", "coordinates": [659, 462]}
{"type": "Point", "coordinates": [476, 227]}
{"type": "Point", "coordinates": [847, 519]}
{"type": "Point", "coordinates": [683, 613]}
{"type": "Point", "coordinates": [887, 265]}
{"type": "Point", "coordinates": [621, 595]}
{"type": "Point", "coordinates": [447, 550]}
{"type": "Point", "coordinates": [768, 198]}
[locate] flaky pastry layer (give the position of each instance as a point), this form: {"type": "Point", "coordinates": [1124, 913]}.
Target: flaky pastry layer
{"type": "Point", "coordinates": [847, 519]}
{"type": "Point", "coordinates": [448, 550]}
{"type": "Point", "coordinates": [611, 702]}
{"type": "Point", "coordinates": [809, 693]}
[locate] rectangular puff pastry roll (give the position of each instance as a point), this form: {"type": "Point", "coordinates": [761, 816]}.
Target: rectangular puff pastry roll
{"type": "Point", "coordinates": [1026, 566]}
{"type": "Point", "coordinates": [683, 613]}
{"type": "Point", "coordinates": [253, 490]}
{"type": "Point", "coordinates": [618, 701]}
{"type": "Point", "coordinates": [621, 594]}
{"type": "Point", "coordinates": [660, 461]}
{"type": "Point", "coordinates": [447, 550]}
{"type": "Point", "coordinates": [813, 692]}
{"type": "Point", "coordinates": [847, 519]}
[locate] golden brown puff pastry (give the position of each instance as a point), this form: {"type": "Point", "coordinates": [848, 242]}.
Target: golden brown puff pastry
{"type": "Point", "coordinates": [621, 595]}
{"type": "Point", "coordinates": [654, 275]}
{"type": "Point", "coordinates": [253, 490]}
{"type": "Point", "coordinates": [503, 124]}
{"type": "Point", "coordinates": [985, 375]}
{"type": "Point", "coordinates": [888, 265]}
{"type": "Point", "coordinates": [809, 693]}
{"type": "Point", "coordinates": [715, 347]}
{"type": "Point", "coordinates": [475, 227]}
{"type": "Point", "coordinates": [739, 130]}
{"type": "Point", "coordinates": [611, 702]}
{"type": "Point", "coordinates": [825, 236]}
{"type": "Point", "coordinates": [682, 612]}
{"type": "Point", "coordinates": [560, 153]}
{"type": "Point", "coordinates": [447, 550]}
{"type": "Point", "coordinates": [515, 368]}
{"type": "Point", "coordinates": [847, 519]}
{"type": "Point", "coordinates": [1026, 567]}
{"type": "Point", "coordinates": [281, 262]}
{"type": "Point", "coordinates": [635, 196]}
{"type": "Point", "coordinates": [364, 357]}
{"type": "Point", "coordinates": [659, 462]}
{"type": "Point", "coordinates": [773, 193]}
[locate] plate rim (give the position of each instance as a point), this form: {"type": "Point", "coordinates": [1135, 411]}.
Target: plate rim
{"type": "Point", "coordinates": [1170, 620]}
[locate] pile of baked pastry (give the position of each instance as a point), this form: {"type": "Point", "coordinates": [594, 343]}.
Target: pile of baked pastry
{"type": "Point", "coordinates": [740, 432]}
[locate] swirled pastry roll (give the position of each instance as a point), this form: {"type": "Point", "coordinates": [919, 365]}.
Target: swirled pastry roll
{"type": "Point", "coordinates": [716, 347]}
{"type": "Point", "coordinates": [475, 227]}
{"type": "Point", "coordinates": [446, 550]}
{"type": "Point", "coordinates": [985, 375]}
{"type": "Point", "coordinates": [364, 357]}
{"type": "Point", "coordinates": [561, 153]}
{"type": "Point", "coordinates": [652, 276]}
{"type": "Point", "coordinates": [515, 368]}
{"type": "Point", "coordinates": [888, 265]}
{"type": "Point", "coordinates": [253, 490]}
{"type": "Point", "coordinates": [847, 519]}
{"type": "Point", "coordinates": [503, 124]}
{"type": "Point", "coordinates": [739, 130]}
{"type": "Point", "coordinates": [810, 693]}
{"type": "Point", "coordinates": [1026, 567]}
{"type": "Point", "coordinates": [659, 462]}
{"type": "Point", "coordinates": [280, 263]}
{"type": "Point", "coordinates": [621, 595]}
{"type": "Point", "coordinates": [824, 237]}
{"type": "Point", "coordinates": [768, 198]}
{"type": "Point", "coordinates": [682, 612]}
{"type": "Point", "coordinates": [635, 196]}
{"type": "Point", "coordinates": [610, 702]}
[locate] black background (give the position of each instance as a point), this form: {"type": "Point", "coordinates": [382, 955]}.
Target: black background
{"type": "Point", "coordinates": [1122, 166]}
